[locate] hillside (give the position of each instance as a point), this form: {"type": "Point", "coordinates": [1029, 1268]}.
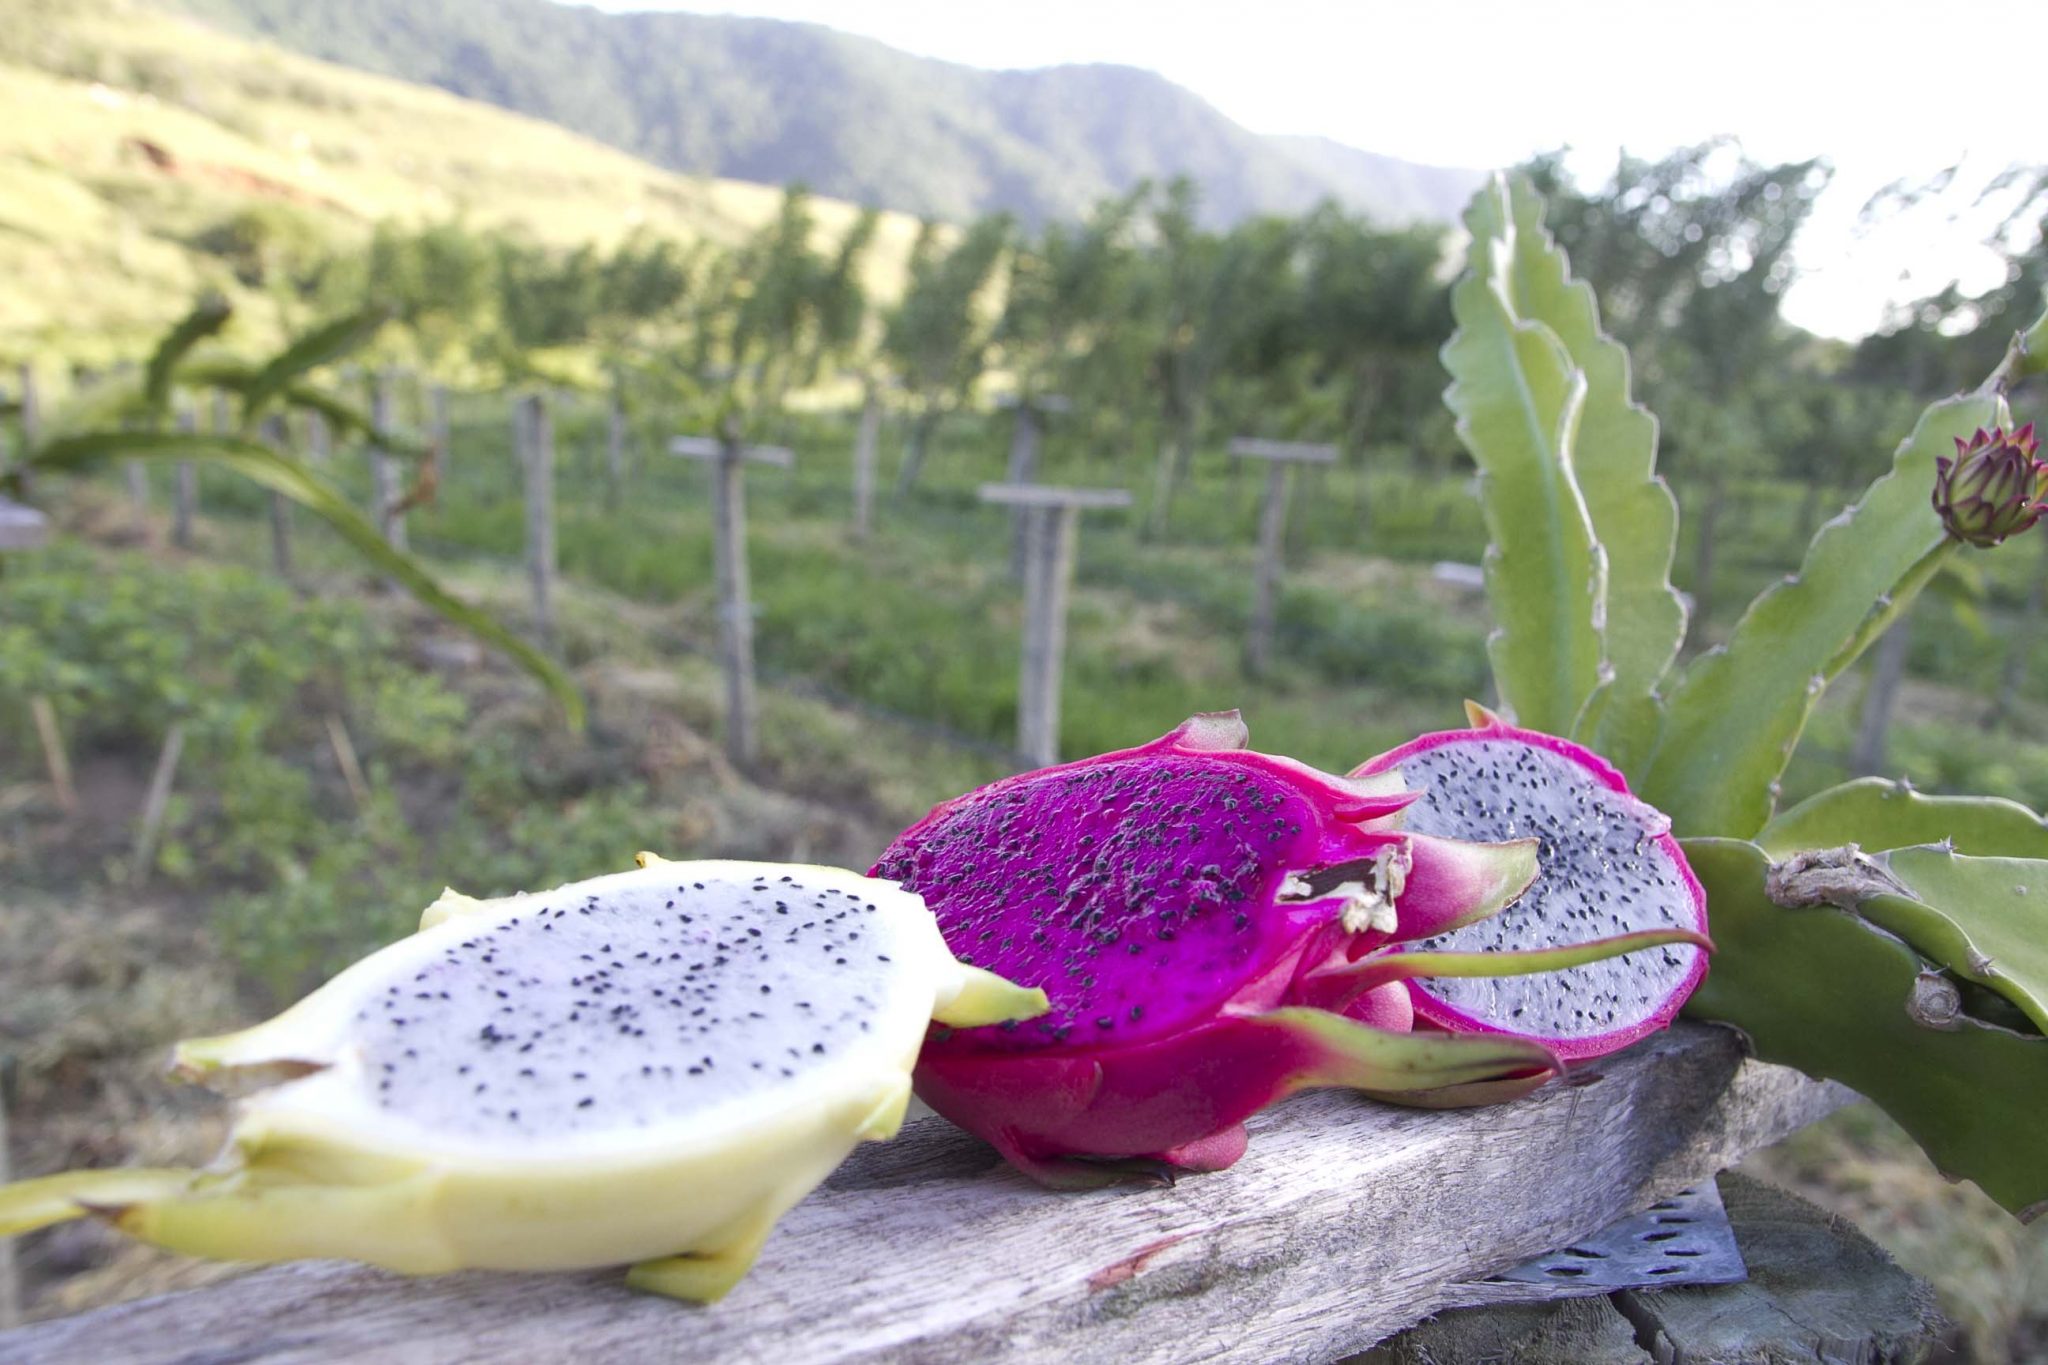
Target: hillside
{"type": "Point", "coordinates": [139, 151]}
{"type": "Point", "coordinates": [771, 101]}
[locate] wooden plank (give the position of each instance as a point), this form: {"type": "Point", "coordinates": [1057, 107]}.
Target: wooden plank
{"type": "Point", "coordinates": [1347, 1221]}
{"type": "Point", "coordinates": [1818, 1293]}
{"type": "Point", "coordinates": [1296, 452]}
{"type": "Point", "coordinates": [22, 527]}
{"type": "Point", "coordinates": [1053, 495]}
{"type": "Point", "coordinates": [708, 447]}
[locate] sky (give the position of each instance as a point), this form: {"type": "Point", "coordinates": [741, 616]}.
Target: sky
{"type": "Point", "coordinates": [1885, 90]}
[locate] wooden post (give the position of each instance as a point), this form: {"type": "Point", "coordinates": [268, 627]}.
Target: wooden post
{"type": "Point", "coordinates": [1027, 437]}
{"type": "Point", "coordinates": [615, 446]}
{"type": "Point", "coordinates": [1283, 455]}
{"type": "Point", "coordinates": [728, 457]}
{"type": "Point", "coordinates": [539, 451]}
{"type": "Point", "coordinates": [185, 499]}
{"type": "Point", "coordinates": [1051, 530]}
{"type": "Point", "coordinates": [280, 507]}
{"type": "Point", "coordinates": [157, 802]}
{"type": "Point", "coordinates": [319, 438]}
{"type": "Point", "coordinates": [138, 495]}
{"type": "Point", "coordinates": [867, 444]}
{"type": "Point", "coordinates": [439, 430]}
{"type": "Point", "coordinates": [384, 490]}
{"type": "Point", "coordinates": [31, 403]}
{"type": "Point", "coordinates": [54, 756]}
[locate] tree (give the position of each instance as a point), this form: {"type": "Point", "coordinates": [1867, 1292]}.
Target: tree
{"type": "Point", "coordinates": [1206, 299]}
{"type": "Point", "coordinates": [938, 338]}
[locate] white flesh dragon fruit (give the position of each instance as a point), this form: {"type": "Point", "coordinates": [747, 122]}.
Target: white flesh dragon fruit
{"type": "Point", "coordinates": [1607, 866]}
{"type": "Point", "coordinates": [645, 1068]}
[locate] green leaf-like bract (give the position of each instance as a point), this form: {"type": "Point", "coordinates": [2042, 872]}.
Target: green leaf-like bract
{"type": "Point", "coordinates": [279, 472]}
{"type": "Point", "coordinates": [1614, 459]}
{"type": "Point", "coordinates": [1876, 814]}
{"type": "Point", "coordinates": [206, 319]}
{"type": "Point", "coordinates": [1518, 399]}
{"type": "Point", "coordinates": [1823, 990]}
{"type": "Point", "coordinates": [1732, 723]}
{"type": "Point", "coordinates": [322, 346]}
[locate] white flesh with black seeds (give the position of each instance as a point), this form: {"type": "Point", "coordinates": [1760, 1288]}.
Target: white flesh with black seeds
{"type": "Point", "coordinates": [649, 1067]}
{"type": "Point", "coordinates": [679, 998]}
{"type": "Point", "coordinates": [1602, 873]}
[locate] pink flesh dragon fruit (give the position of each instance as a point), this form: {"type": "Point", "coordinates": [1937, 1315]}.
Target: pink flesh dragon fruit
{"type": "Point", "coordinates": [1198, 913]}
{"type": "Point", "coordinates": [1609, 867]}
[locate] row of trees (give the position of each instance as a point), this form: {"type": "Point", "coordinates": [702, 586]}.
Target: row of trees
{"type": "Point", "coordinates": [1162, 333]}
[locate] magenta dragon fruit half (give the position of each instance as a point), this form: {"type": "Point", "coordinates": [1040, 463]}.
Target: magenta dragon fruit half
{"type": "Point", "coordinates": [1199, 914]}
{"type": "Point", "coordinates": [1609, 868]}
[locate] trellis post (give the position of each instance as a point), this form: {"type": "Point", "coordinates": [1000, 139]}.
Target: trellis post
{"type": "Point", "coordinates": [185, 489]}
{"type": "Point", "coordinates": [1027, 440]}
{"type": "Point", "coordinates": [1281, 457]}
{"type": "Point", "coordinates": [439, 430]}
{"type": "Point", "coordinates": [867, 444]}
{"type": "Point", "coordinates": [384, 481]}
{"type": "Point", "coordinates": [538, 432]}
{"type": "Point", "coordinates": [728, 456]}
{"type": "Point", "coordinates": [280, 507]}
{"type": "Point", "coordinates": [1052, 518]}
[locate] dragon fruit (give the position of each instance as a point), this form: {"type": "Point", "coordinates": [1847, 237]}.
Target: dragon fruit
{"type": "Point", "coordinates": [1609, 868]}
{"type": "Point", "coordinates": [1198, 914]}
{"type": "Point", "coordinates": [645, 1068]}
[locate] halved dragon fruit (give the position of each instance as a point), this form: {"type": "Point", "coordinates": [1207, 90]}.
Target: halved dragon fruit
{"type": "Point", "coordinates": [1197, 913]}
{"type": "Point", "coordinates": [650, 1067]}
{"type": "Point", "coordinates": [1609, 868]}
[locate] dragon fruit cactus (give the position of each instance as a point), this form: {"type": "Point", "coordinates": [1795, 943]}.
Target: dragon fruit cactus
{"type": "Point", "coordinates": [1198, 915]}
{"type": "Point", "coordinates": [644, 1068]}
{"type": "Point", "coordinates": [1610, 871]}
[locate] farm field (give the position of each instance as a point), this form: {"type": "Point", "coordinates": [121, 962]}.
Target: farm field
{"type": "Point", "coordinates": [273, 870]}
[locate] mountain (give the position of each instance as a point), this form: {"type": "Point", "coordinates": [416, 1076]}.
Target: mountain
{"type": "Point", "coordinates": [144, 157]}
{"type": "Point", "coordinates": [771, 101]}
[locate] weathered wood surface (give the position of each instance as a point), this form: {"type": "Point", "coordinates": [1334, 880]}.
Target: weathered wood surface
{"type": "Point", "coordinates": [1027, 434]}
{"type": "Point", "coordinates": [1819, 1293]}
{"type": "Point", "coordinates": [1347, 1221]}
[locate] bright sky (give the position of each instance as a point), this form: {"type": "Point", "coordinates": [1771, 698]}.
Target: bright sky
{"type": "Point", "coordinates": [1884, 89]}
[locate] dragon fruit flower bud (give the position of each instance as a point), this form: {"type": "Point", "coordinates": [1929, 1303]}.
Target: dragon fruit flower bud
{"type": "Point", "coordinates": [1993, 488]}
